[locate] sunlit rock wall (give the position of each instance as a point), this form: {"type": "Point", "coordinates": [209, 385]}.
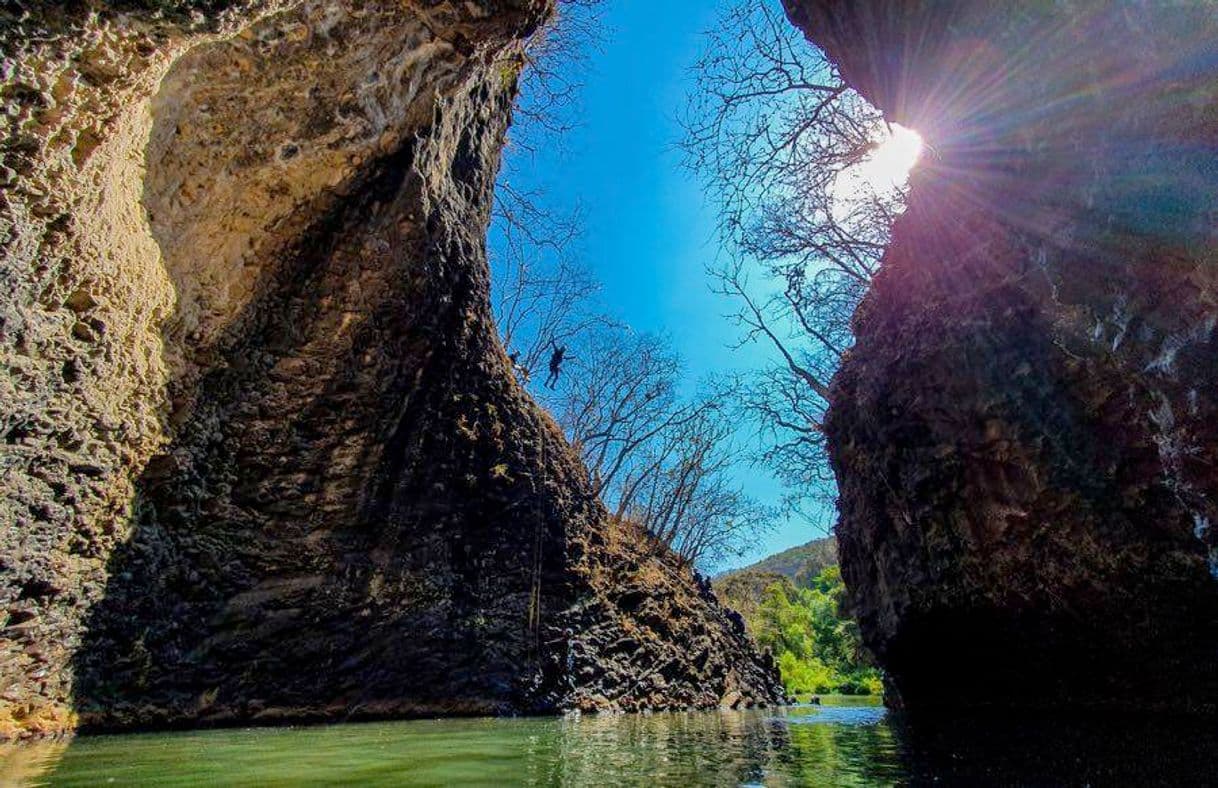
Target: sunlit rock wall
{"type": "Point", "coordinates": [262, 458]}
{"type": "Point", "coordinates": [1026, 433]}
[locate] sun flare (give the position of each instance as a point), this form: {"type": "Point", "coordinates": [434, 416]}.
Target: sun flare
{"type": "Point", "coordinates": [885, 169]}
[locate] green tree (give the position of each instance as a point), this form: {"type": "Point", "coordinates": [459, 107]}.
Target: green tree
{"type": "Point", "coordinates": [817, 649]}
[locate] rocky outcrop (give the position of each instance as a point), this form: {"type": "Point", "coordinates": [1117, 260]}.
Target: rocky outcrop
{"type": "Point", "coordinates": [1026, 433]}
{"type": "Point", "coordinates": [263, 458]}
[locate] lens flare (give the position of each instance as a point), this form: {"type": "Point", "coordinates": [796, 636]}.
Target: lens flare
{"type": "Point", "coordinates": [882, 171]}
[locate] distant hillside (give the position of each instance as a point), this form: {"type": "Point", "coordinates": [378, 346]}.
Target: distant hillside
{"type": "Point", "coordinates": [741, 589]}
{"type": "Point", "coordinates": [799, 564]}
{"type": "Point", "coordinates": [791, 605]}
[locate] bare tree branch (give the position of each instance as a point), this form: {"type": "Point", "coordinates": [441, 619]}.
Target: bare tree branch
{"type": "Point", "coordinates": [656, 458]}
{"type": "Point", "coordinates": [772, 130]}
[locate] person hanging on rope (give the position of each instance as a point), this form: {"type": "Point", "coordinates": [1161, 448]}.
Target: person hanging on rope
{"type": "Point", "coordinates": [556, 360]}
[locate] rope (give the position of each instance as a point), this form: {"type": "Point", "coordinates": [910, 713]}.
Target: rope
{"type": "Point", "coordinates": [538, 536]}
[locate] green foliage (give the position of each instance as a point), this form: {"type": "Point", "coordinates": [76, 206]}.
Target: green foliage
{"type": "Point", "coordinates": [816, 648]}
{"type": "Point", "coordinates": [742, 590]}
{"type": "Point", "coordinates": [791, 603]}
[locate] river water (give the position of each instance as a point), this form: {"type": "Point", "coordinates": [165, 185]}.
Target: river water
{"type": "Point", "coordinates": [806, 745]}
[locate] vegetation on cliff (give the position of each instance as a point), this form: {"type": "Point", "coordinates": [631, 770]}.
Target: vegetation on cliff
{"type": "Point", "coordinates": [817, 648]}
{"type": "Point", "coordinates": [791, 603]}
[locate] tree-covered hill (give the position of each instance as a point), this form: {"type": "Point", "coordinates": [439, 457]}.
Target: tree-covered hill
{"type": "Point", "coordinates": [799, 564]}
{"type": "Point", "coordinates": [791, 604]}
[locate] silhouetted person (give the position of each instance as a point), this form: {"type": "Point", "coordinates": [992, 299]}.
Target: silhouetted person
{"type": "Point", "coordinates": [556, 359]}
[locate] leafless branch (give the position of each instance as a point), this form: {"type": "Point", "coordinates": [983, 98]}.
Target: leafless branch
{"type": "Point", "coordinates": [770, 128]}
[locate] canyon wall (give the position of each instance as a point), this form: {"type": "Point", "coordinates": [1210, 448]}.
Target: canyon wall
{"type": "Point", "coordinates": [262, 455]}
{"type": "Point", "coordinates": [1026, 432]}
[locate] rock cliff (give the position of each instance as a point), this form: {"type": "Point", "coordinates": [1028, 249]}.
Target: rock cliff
{"type": "Point", "coordinates": [1026, 433]}
{"type": "Point", "coordinates": [262, 456]}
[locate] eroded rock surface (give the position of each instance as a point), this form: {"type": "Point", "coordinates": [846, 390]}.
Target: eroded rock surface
{"type": "Point", "coordinates": [263, 458]}
{"type": "Point", "coordinates": [1026, 433]}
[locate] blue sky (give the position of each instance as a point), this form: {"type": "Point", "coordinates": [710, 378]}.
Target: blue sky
{"type": "Point", "coordinates": [650, 232]}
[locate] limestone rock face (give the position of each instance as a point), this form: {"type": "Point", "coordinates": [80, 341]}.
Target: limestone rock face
{"type": "Point", "coordinates": [1026, 433]}
{"type": "Point", "coordinates": [261, 454]}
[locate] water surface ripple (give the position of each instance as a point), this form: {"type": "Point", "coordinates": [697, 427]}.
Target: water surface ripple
{"type": "Point", "coordinates": [805, 745]}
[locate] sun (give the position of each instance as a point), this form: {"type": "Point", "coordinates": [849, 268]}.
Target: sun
{"type": "Point", "coordinates": [885, 169]}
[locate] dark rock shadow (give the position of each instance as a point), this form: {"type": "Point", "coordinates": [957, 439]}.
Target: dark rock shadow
{"type": "Point", "coordinates": [1055, 748]}
{"type": "Point", "coordinates": [345, 524]}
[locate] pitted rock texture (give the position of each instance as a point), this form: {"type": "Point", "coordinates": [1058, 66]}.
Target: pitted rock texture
{"type": "Point", "coordinates": [1026, 432]}
{"type": "Point", "coordinates": [263, 458]}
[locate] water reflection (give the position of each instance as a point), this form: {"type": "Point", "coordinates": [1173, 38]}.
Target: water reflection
{"type": "Point", "coordinates": [832, 745]}
{"type": "Point", "coordinates": [1044, 749]}
{"type": "Point", "coordinates": [796, 747]}
{"type": "Point", "coordinates": [22, 764]}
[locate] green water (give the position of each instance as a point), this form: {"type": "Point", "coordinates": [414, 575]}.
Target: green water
{"type": "Point", "coordinates": [828, 745]}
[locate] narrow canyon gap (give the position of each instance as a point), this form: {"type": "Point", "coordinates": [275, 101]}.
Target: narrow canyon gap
{"type": "Point", "coordinates": [263, 458]}
{"type": "Point", "coordinates": [1025, 435]}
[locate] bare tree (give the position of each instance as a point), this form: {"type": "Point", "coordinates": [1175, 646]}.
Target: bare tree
{"type": "Point", "coordinates": [555, 58]}
{"type": "Point", "coordinates": [542, 295]}
{"type": "Point", "coordinates": [658, 459]}
{"type": "Point", "coordinates": [772, 131]}
{"type": "Point", "coordinates": [621, 395]}
{"type": "Point", "coordinates": [682, 492]}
